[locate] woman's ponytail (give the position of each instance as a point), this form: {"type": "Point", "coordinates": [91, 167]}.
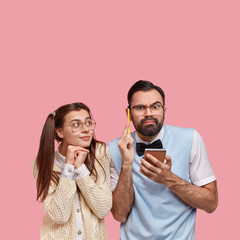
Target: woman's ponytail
{"type": "Point", "coordinates": [45, 157]}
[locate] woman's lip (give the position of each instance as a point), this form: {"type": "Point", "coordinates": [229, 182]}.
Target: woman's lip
{"type": "Point", "coordinates": [85, 138]}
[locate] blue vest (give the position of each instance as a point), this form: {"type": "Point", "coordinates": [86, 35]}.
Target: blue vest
{"type": "Point", "coordinates": [157, 213]}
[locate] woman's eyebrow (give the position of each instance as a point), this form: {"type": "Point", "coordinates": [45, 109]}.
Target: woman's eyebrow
{"type": "Point", "coordinates": [78, 120]}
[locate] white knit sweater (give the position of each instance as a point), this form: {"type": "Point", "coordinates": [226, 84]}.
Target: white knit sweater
{"type": "Point", "coordinates": [96, 202]}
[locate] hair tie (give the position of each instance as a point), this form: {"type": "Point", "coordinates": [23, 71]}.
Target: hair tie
{"type": "Point", "coordinates": [53, 113]}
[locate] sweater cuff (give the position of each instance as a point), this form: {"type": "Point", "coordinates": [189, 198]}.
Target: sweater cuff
{"type": "Point", "coordinates": [67, 171]}
{"type": "Point", "coordinates": [81, 172]}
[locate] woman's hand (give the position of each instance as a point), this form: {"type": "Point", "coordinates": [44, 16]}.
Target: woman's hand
{"type": "Point", "coordinates": [76, 155]}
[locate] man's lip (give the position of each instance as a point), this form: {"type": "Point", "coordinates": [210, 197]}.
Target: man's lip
{"type": "Point", "coordinates": [147, 122]}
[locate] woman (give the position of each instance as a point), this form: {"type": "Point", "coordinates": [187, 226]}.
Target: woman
{"type": "Point", "coordinates": [74, 182]}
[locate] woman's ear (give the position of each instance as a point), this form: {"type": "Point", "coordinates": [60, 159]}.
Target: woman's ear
{"type": "Point", "coordinates": [59, 132]}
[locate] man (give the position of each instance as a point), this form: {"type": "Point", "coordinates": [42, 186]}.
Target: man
{"type": "Point", "coordinates": [151, 199]}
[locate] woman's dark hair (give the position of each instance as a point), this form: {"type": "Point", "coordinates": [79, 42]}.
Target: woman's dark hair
{"type": "Point", "coordinates": [143, 85]}
{"type": "Point", "coordinates": [45, 156]}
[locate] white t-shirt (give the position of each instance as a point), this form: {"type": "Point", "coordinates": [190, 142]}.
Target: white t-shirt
{"type": "Point", "coordinates": [201, 172]}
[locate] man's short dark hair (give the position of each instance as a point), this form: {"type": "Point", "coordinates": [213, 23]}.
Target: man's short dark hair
{"type": "Point", "coordinates": [143, 85]}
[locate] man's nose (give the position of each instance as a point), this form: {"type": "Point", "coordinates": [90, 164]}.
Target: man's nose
{"type": "Point", "coordinates": [148, 111]}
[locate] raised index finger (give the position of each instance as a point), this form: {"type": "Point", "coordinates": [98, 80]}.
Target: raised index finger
{"type": "Point", "coordinates": [125, 130]}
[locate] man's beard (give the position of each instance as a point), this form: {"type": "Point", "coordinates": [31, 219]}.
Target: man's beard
{"type": "Point", "coordinates": [151, 129]}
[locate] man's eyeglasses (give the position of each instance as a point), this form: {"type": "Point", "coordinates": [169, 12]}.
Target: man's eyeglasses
{"type": "Point", "coordinates": [140, 109]}
{"type": "Point", "coordinates": [77, 125]}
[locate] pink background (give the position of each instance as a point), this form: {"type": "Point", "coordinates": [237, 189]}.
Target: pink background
{"type": "Point", "coordinates": [57, 52]}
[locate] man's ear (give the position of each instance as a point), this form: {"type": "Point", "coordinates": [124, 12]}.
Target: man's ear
{"type": "Point", "coordinates": [129, 112]}
{"type": "Point", "coordinates": [59, 132]}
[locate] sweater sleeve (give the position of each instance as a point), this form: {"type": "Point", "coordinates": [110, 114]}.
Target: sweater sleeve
{"type": "Point", "coordinates": [60, 199]}
{"type": "Point", "coordinates": [98, 194]}
{"type": "Point", "coordinates": [58, 204]}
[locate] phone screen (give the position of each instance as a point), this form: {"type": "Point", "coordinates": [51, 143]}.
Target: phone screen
{"type": "Point", "coordinates": [157, 153]}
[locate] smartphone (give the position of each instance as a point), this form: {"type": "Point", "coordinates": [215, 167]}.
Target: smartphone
{"type": "Point", "coordinates": [157, 153]}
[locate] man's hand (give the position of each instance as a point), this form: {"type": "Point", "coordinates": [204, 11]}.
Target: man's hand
{"type": "Point", "coordinates": [126, 148]}
{"type": "Point", "coordinates": [160, 173]}
{"type": "Point", "coordinates": [123, 194]}
{"type": "Point", "coordinates": [204, 197]}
